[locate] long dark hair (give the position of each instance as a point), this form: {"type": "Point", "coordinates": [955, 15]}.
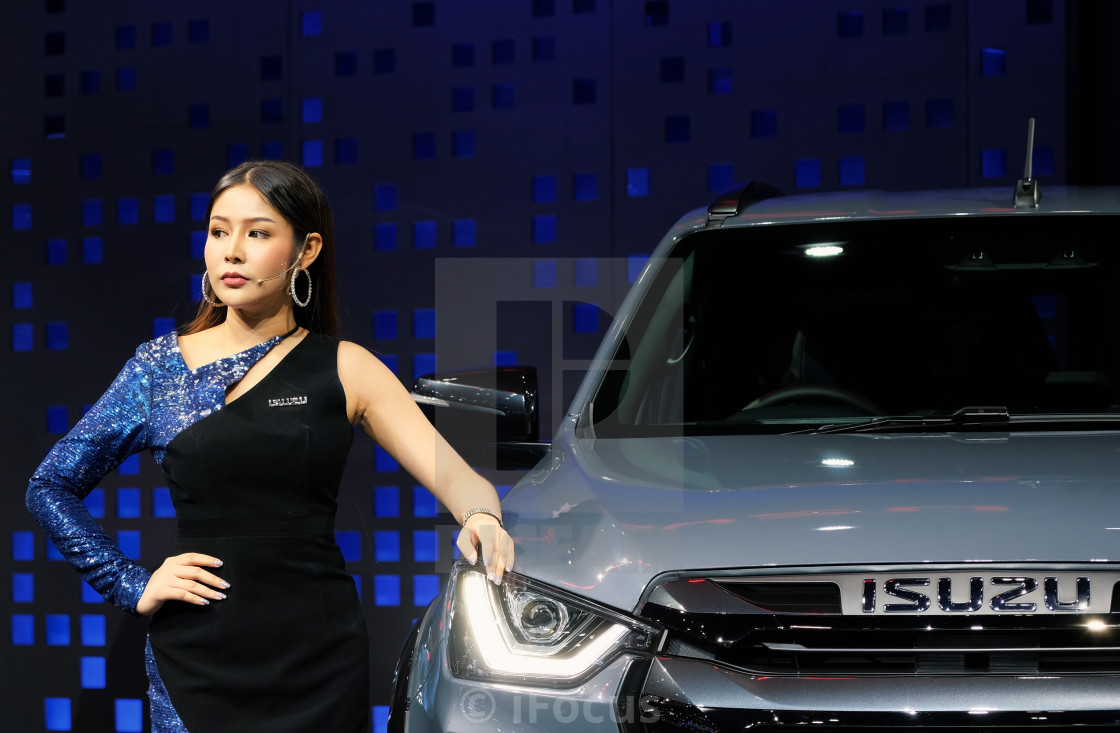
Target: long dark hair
{"type": "Point", "coordinates": [301, 202]}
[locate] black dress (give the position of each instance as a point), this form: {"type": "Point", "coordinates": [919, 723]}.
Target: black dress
{"type": "Point", "coordinates": [256, 484]}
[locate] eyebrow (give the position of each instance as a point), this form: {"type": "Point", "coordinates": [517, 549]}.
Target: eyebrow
{"type": "Point", "coordinates": [251, 221]}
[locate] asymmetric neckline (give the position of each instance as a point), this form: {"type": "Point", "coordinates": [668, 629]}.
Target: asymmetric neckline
{"type": "Point", "coordinates": [254, 352]}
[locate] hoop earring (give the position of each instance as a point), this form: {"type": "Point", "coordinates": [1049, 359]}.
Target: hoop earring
{"type": "Point", "coordinates": [205, 295]}
{"type": "Point", "coordinates": [304, 303]}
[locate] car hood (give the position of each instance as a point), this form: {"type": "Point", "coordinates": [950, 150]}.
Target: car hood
{"type": "Point", "coordinates": [604, 517]}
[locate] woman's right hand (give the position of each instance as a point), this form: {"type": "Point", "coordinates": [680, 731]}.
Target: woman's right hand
{"type": "Point", "coordinates": [182, 578]}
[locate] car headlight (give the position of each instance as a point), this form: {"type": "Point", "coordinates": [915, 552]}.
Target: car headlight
{"type": "Point", "coordinates": [526, 632]}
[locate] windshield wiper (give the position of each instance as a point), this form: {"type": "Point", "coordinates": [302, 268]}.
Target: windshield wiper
{"type": "Point", "coordinates": [972, 415]}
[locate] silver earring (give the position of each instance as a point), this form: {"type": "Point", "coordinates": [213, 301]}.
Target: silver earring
{"type": "Point", "coordinates": [306, 301]}
{"type": "Point", "coordinates": [205, 295]}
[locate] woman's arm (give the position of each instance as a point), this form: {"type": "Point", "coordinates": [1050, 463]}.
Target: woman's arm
{"type": "Point", "coordinates": [380, 405]}
{"type": "Point", "coordinates": [112, 430]}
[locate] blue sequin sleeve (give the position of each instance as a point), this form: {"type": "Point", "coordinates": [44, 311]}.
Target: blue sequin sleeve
{"type": "Point", "coordinates": [113, 429]}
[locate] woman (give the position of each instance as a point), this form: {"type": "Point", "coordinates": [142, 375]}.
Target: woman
{"type": "Point", "coordinates": [249, 409]}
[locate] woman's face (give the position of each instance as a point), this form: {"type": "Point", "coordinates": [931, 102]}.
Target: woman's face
{"type": "Point", "coordinates": [248, 241]}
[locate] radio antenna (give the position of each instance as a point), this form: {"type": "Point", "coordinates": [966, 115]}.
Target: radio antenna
{"type": "Point", "coordinates": [1027, 193]}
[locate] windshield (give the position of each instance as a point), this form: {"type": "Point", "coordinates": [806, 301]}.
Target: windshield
{"type": "Point", "coordinates": [772, 328]}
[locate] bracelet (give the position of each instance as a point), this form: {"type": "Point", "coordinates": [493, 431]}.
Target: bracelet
{"type": "Point", "coordinates": [482, 510]}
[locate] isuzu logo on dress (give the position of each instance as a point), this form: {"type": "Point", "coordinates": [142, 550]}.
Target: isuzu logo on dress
{"type": "Point", "coordinates": [287, 401]}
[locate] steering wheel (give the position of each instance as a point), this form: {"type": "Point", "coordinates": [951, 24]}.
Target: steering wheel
{"type": "Point", "coordinates": [815, 393]}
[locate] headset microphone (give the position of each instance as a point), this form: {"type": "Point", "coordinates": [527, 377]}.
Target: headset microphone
{"type": "Point", "coordinates": [289, 269]}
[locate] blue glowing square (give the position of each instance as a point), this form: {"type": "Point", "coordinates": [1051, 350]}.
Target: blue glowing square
{"type": "Point", "coordinates": [462, 55]}
{"type": "Point", "coordinates": [463, 232]}
{"type": "Point", "coordinates": [423, 146]}
{"type": "Point", "coordinates": [387, 546]}
{"type": "Point", "coordinates": [544, 274]}
{"type": "Point", "coordinates": [272, 150]}
{"type": "Point", "coordinates": [424, 589]}
{"type": "Point", "coordinates": [807, 172]}
{"type": "Point", "coordinates": [163, 162]}
{"type": "Point", "coordinates": [56, 252]}
{"type": "Point", "coordinates": [128, 210]}
{"type": "Point", "coordinates": [198, 244]}
{"type": "Point", "coordinates": [23, 588]}
{"type": "Point", "coordinates": [993, 162]}
{"type": "Point", "coordinates": [56, 710]}
{"type": "Point", "coordinates": [23, 629]}
{"type": "Point", "coordinates": [585, 318]}
{"type": "Point", "coordinates": [196, 287]}
{"type": "Point", "coordinates": [586, 272]}
{"type": "Point", "coordinates": [163, 208]}
{"type": "Point", "coordinates": [95, 503]}
{"type": "Point", "coordinates": [939, 18]}
{"type": "Point", "coordinates": [346, 150]}
{"type": "Point", "coordinates": [198, 30]}
{"type": "Point", "coordinates": [385, 197]}
{"type": "Point", "coordinates": [54, 126]}
{"type": "Point", "coordinates": [423, 14]}
{"type": "Point", "coordinates": [544, 48]}
{"type": "Point", "coordinates": [678, 128]}
{"type": "Point", "coordinates": [850, 117]}
{"type": "Point", "coordinates": [423, 363]}
{"type": "Point", "coordinates": [21, 295]}
{"type": "Point", "coordinates": [385, 236]}
{"type": "Point", "coordinates": [162, 34]}
{"type": "Point", "coordinates": [386, 501]}
{"type": "Point", "coordinates": [993, 62]}
{"type": "Point", "coordinates": [58, 420]}
{"type": "Point", "coordinates": [544, 229]}
{"type": "Point", "coordinates": [128, 503]}
{"type": "Point", "coordinates": [1042, 161]}
{"type": "Point", "coordinates": [23, 337]}
{"type": "Point", "coordinates": [199, 202]}
{"type": "Point", "coordinates": [585, 187]}
{"type": "Point", "coordinates": [129, 542]}
{"type": "Point", "coordinates": [312, 153]}
{"type": "Point", "coordinates": [92, 212]}
{"type": "Point", "coordinates": [198, 116]}
{"type": "Point", "coordinates": [23, 545]}
{"type": "Point", "coordinates": [126, 79]}
{"type": "Point", "coordinates": [21, 217]}
{"type": "Point", "coordinates": [387, 590]}
{"type": "Point", "coordinates": [21, 170]}
{"type": "Point", "coordinates": [462, 144]}
{"type": "Point", "coordinates": [637, 181]}
{"type": "Point", "coordinates": [896, 116]}
{"type": "Point", "coordinates": [424, 504]}
{"type": "Point", "coordinates": [720, 80]}
{"type": "Point", "coordinates": [272, 110]}
{"type": "Point", "coordinates": [125, 37]}
{"type": "Point", "coordinates": [505, 358]}
{"type": "Point", "coordinates": [128, 715]}
{"type": "Point", "coordinates": [58, 629]}
{"type": "Point", "coordinates": [384, 60]}
{"type": "Point", "coordinates": [672, 69]}
{"type": "Point", "coordinates": [502, 52]}
{"type": "Point", "coordinates": [852, 170]}
{"type": "Point", "coordinates": [89, 82]}
{"type": "Point", "coordinates": [311, 109]}
{"type": "Point", "coordinates": [92, 629]}
{"type": "Point", "coordinates": [719, 33]}
{"type": "Point", "coordinates": [385, 324]}
{"type": "Point", "coordinates": [939, 113]}
{"type": "Point", "coordinates": [764, 123]}
{"type": "Point", "coordinates": [350, 543]}
{"type": "Point", "coordinates": [462, 99]}
{"type": "Point", "coordinates": [162, 506]}
{"type": "Point", "coordinates": [635, 264]}
{"type": "Point", "coordinates": [502, 96]}
{"type": "Point", "coordinates": [58, 335]}
{"type": "Point", "coordinates": [382, 461]}
{"type": "Point", "coordinates": [423, 235]}
{"type": "Point", "coordinates": [424, 323]}
{"type": "Point", "coordinates": [849, 24]}
{"type": "Point", "coordinates": [51, 552]}
{"type": "Point", "coordinates": [380, 718]}
{"type": "Point", "coordinates": [311, 23]}
{"type": "Point", "coordinates": [896, 21]}
{"type": "Point", "coordinates": [93, 673]}
{"type": "Point", "coordinates": [544, 189]}
{"type": "Point", "coordinates": [721, 177]}
{"type": "Point", "coordinates": [272, 68]}
{"type": "Point", "coordinates": [345, 63]}
{"type": "Point", "coordinates": [91, 166]}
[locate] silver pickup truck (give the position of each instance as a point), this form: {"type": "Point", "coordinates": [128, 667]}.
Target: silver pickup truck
{"type": "Point", "coordinates": [845, 461]}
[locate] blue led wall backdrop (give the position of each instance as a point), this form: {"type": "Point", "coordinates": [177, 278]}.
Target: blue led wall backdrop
{"type": "Point", "coordinates": [555, 131]}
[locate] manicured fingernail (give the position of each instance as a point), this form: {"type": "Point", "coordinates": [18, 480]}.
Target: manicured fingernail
{"type": "Point", "coordinates": [472, 559]}
{"type": "Point", "coordinates": [205, 602]}
{"type": "Point", "coordinates": [222, 596]}
{"type": "Point", "coordinates": [225, 584]}
{"type": "Point", "coordinates": [217, 563]}
{"type": "Point", "coordinates": [493, 578]}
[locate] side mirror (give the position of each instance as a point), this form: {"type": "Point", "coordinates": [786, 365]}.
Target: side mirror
{"type": "Point", "coordinates": [489, 416]}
